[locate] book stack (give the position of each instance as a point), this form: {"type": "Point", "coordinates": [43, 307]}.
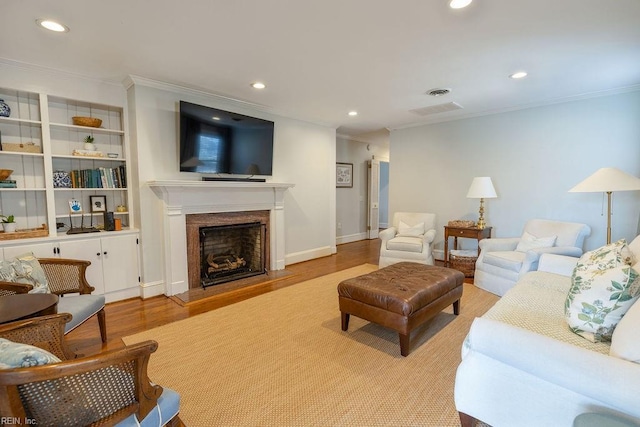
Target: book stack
{"type": "Point", "coordinates": [8, 183]}
{"type": "Point", "coordinates": [87, 153]}
{"type": "Point", "coordinates": [99, 178]}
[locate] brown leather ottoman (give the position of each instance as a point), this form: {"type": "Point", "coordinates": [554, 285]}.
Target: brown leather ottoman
{"type": "Point", "coordinates": [401, 297]}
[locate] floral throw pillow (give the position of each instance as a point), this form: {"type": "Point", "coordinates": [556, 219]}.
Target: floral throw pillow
{"type": "Point", "coordinates": [603, 287]}
{"type": "Point", "coordinates": [18, 355]}
{"type": "Point", "coordinates": [28, 270]}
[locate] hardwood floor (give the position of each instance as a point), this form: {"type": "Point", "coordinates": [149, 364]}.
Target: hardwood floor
{"type": "Point", "coordinates": [136, 315]}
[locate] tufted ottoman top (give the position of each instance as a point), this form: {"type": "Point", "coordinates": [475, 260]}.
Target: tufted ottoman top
{"type": "Point", "coordinates": [402, 288]}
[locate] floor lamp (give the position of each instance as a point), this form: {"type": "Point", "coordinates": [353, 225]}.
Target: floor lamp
{"type": "Point", "coordinates": [608, 180]}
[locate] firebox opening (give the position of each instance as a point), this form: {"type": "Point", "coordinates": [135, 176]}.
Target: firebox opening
{"type": "Point", "coordinates": [231, 252]}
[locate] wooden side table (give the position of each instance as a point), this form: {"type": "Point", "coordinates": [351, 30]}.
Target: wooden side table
{"type": "Point", "coordinates": [23, 306]}
{"type": "Point", "coordinates": [468, 233]}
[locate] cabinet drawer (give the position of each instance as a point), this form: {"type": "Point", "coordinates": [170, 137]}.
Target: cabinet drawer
{"type": "Point", "coordinates": [463, 232]}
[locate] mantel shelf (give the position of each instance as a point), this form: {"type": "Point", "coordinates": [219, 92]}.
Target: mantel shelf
{"type": "Point", "coordinates": [177, 185]}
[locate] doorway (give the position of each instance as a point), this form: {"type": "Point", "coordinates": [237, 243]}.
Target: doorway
{"type": "Point", "coordinates": [378, 197]}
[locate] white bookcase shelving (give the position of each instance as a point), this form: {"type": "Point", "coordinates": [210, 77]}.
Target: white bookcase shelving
{"type": "Point", "coordinates": [39, 139]}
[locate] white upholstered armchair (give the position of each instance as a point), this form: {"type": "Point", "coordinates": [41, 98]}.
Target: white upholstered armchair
{"type": "Point", "coordinates": [409, 239]}
{"type": "Point", "coordinates": [503, 261]}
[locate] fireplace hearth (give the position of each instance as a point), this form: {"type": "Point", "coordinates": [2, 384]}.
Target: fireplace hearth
{"type": "Point", "coordinates": [231, 252]}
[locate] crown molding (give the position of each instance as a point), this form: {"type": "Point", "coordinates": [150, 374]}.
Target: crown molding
{"type": "Point", "coordinates": [25, 66]}
{"type": "Point", "coordinates": [132, 80]}
{"type": "Point", "coordinates": [554, 101]}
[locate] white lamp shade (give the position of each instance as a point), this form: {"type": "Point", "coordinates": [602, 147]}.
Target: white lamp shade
{"type": "Point", "coordinates": [482, 188]}
{"type": "Point", "coordinates": [607, 179]}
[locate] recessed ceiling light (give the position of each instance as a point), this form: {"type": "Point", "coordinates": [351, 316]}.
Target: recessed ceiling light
{"type": "Point", "coordinates": [518, 75]}
{"type": "Point", "coordinates": [258, 85]}
{"type": "Point", "coordinates": [353, 113]}
{"type": "Point", "coordinates": [52, 25]}
{"type": "Point", "coordinates": [459, 4]}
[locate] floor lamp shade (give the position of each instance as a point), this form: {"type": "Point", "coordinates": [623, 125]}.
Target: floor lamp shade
{"type": "Point", "coordinates": [608, 180]}
{"type": "Point", "coordinates": [481, 188]}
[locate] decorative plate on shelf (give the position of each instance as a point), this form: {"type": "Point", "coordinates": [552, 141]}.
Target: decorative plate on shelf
{"type": "Point", "coordinates": [61, 179]}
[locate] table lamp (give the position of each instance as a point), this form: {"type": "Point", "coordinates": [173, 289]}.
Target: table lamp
{"type": "Point", "coordinates": [608, 180]}
{"type": "Point", "coordinates": [481, 188]}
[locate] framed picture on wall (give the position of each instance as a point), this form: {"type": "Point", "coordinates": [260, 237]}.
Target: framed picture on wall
{"type": "Point", "coordinates": [344, 175]}
{"type": "Point", "coordinates": [98, 203]}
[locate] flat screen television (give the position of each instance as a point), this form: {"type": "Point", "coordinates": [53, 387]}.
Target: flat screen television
{"type": "Point", "coordinates": [214, 141]}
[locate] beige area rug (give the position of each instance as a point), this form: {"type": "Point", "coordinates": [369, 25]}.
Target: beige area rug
{"type": "Point", "coordinates": [281, 359]}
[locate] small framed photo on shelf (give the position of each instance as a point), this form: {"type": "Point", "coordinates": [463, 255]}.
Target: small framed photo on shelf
{"type": "Point", "coordinates": [344, 175]}
{"type": "Point", "coordinates": [75, 206]}
{"type": "Point", "coordinates": [98, 203]}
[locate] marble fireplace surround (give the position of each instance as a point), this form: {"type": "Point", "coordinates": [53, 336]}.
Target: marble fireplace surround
{"type": "Point", "coordinates": [182, 198]}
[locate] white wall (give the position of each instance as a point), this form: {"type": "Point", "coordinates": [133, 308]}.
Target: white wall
{"type": "Point", "coordinates": [534, 157]}
{"type": "Point", "coordinates": [351, 203]}
{"type": "Point", "coordinates": [304, 154]}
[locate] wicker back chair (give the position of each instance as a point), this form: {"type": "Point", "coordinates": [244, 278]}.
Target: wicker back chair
{"type": "Point", "coordinates": [8, 288]}
{"type": "Point", "coordinates": [68, 276]}
{"type": "Point", "coordinates": [103, 389]}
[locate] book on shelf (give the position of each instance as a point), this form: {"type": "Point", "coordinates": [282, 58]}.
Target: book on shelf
{"type": "Point", "coordinates": [8, 185]}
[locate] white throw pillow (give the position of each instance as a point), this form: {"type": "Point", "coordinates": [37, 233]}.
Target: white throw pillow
{"type": "Point", "coordinates": [624, 342]}
{"type": "Point", "coordinates": [528, 241]}
{"type": "Point", "coordinates": [603, 288]}
{"type": "Point", "coordinates": [406, 230]}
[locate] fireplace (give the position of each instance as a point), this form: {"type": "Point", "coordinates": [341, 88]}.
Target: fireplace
{"type": "Point", "coordinates": [226, 246]}
{"type": "Point", "coordinates": [183, 199]}
{"type": "Point", "coordinates": [231, 252]}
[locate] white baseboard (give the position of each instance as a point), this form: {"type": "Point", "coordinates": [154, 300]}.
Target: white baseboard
{"type": "Point", "coordinates": [438, 253]}
{"type": "Point", "coordinates": [351, 238]}
{"type": "Point", "coordinates": [308, 255]}
{"type": "Point", "coordinates": [383, 225]}
{"type": "Point", "coordinates": [152, 289]}
{"type": "Point", "coordinates": [122, 294]}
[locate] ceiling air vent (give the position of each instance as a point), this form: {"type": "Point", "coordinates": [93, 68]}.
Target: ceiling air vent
{"type": "Point", "coordinates": [435, 109]}
{"type": "Point", "coordinates": [438, 92]}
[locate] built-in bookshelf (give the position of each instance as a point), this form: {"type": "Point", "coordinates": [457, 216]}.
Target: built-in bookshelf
{"type": "Point", "coordinates": [40, 141]}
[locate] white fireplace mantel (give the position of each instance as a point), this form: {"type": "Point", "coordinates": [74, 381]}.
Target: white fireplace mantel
{"type": "Point", "coordinates": [192, 197]}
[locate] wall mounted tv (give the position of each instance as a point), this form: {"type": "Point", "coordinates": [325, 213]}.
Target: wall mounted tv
{"type": "Point", "coordinates": [220, 142]}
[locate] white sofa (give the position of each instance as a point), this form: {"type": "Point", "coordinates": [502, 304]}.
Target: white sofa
{"type": "Point", "coordinates": [522, 366]}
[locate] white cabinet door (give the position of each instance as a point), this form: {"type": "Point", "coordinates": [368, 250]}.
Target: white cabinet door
{"type": "Point", "coordinates": [40, 250]}
{"type": "Point", "coordinates": [120, 262]}
{"type": "Point", "coordinates": [90, 250]}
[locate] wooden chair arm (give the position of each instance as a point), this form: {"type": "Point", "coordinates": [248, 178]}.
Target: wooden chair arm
{"type": "Point", "coordinates": [66, 275]}
{"type": "Point", "coordinates": [11, 288]}
{"type": "Point", "coordinates": [94, 382]}
{"type": "Point", "coordinates": [46, 332]}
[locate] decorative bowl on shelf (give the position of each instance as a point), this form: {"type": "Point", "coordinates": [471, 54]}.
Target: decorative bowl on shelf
{"type": "Point", "coordinates": [5, 173]}
{"type": "Point", "coordinates": [86, 121]}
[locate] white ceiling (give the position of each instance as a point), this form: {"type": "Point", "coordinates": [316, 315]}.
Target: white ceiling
{"type": "Point", "coordinates": [321, 59]}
